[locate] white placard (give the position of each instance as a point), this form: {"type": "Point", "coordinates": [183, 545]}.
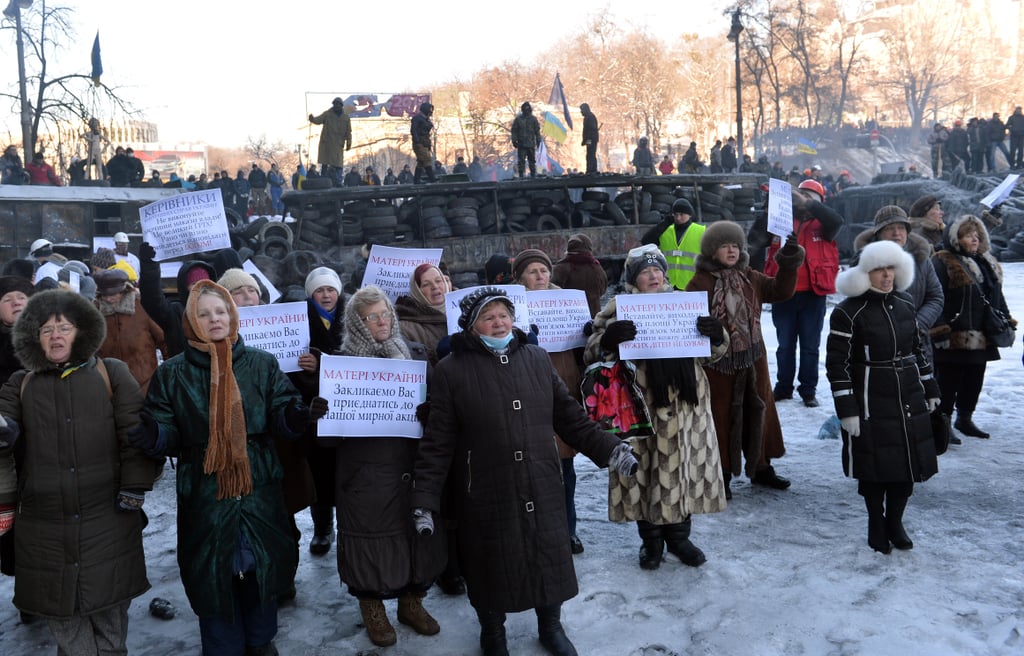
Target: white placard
{"type": "Point", "coordinates": [75, 281]}
{"type": "Point", "coordinates": [371, 397]}
{"type": "Point", "coordinates": [102, 242]}
{"type": "Point", "coordinates": [1002, 192]}
{"type": "Point", "coordinates": [186, 223]}
{"type": "Point", "coordinates": [47, 270]}
{"type": "Point", "coordinates": [391, 268]}
{"type": "Point", "coordinates": [780, 207]}
{"type": "Point", "coordinates": [282, 330]}
{"type": "Point", "coordinates": [170, 269]}
{"type": "Point", "coordinates": [517, 293]}
{"type": "Point", "coordinates": [560, 315]}
{"type": "Point", "coordinates": [253, 270]}
{"type": "Point", "coordinates": [666, 325]}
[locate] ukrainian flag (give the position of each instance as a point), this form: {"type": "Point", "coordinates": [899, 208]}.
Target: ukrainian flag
{"type": "Point", "coordinates": [553, 128]}
{"type": "Point", "coordinates": [97, 62]}
{"type": "Point", "coordinates": [302, 175]}
{"type": "Point", "coordinates": [806, 147]}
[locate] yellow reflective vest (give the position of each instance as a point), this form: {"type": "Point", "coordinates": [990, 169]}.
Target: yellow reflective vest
{"type": "Point", "coordinates": [680, 255]}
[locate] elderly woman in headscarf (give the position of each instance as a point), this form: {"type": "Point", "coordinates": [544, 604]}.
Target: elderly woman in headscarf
{"type": "Point", "coordinates": [217, 406]}
{"type": "Point", "coordinates": [380, 556]}
{"type": "Point", "coordinates": [421, 313]}
{"type": "Point", "coordinates": [746, 420]}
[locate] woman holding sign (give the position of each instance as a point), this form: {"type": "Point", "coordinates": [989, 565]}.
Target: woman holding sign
{"type": "Point", "coordinates": [218, 406]}
{"type": "Point", "coordinates": [380, 556]}
{"type": "Point", "coordinates": [680, 472]}
{"type": "Point", "coordinates": [741, 386]}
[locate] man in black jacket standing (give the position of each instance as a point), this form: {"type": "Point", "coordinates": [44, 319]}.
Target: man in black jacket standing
{"type": "Point", "coordinates": [1015, 124]}
{"type": "Point", "coordinates": [590, 137]}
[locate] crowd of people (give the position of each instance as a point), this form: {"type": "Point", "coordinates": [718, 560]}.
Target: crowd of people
{"type": "Point", "coordinates": [484, 503]}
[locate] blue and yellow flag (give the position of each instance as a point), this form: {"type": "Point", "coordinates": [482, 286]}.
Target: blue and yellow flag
{"type": "Point", "coordinates": [806, 146]}
{"type": "Point", "coordinates": [553, 128]}
{"type": "Point", "coordinates": [557, 98]}
{"type": "Point", "coordinates": [97, 64]}
{"type": "Point", "coordinates": [302, 175]}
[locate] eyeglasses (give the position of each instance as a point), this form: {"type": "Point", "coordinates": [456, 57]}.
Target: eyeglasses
{"type": "Point", "coordinates": [377, 316]}
{"type": "Point", "coordinates": [64, 329]}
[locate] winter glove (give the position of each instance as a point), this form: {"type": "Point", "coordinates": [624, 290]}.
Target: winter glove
{"type": "Point", "coordinates": [588, 328]}
{"type": "Point", "coordinates": [318, 408]}
{"type": "Point", "coordinates": [6, 518]}
{"type": "Point", "coordinates": [623, 461]}
{"type": "Point", "coordinates": [933, 404]}
{"type": "Point", "coordinates": [791, 247]}
{"type": "Point", "coordinates": [8, 431]}
{"type": "Point", "coordinates": [146, 252]}
{"type": "Point", "coordinates": [851, 425]}
{"type": "Point", "coordinates": [146, 435]}
{"type": "Point", "coordinates": [423, 413]}
{"type": "Point", "coordinates": [423, 520]}
{"type": "Point", "coordinates": [616, 333]}
{"type": "Point", "coordinates": [129, 500]}
{"type": "Point", "coordinates": [298, 418]}
{"type": "Point", "coordinates": [712, 328]}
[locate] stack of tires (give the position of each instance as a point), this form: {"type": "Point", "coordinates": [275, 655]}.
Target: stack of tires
{"type": "Point", "coordinates": [597, 209]}
{"type": "Point", "coordinates": [746, 203]}
{"type": "Point", "coordinates": [461, 213]}
{"type": "Point", "coordinates": [1008, 251]}
{"type": "Point", "coordinates": [715, 203]}
{"type": "Point", "coordinates": [429, 214]}
{"type": "Point", "coordinates": [656, 202]}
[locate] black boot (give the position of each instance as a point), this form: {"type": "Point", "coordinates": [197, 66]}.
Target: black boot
{"type": "Point", "coordinates": [552, 635]}
{"type": "Point", "coordinates": [492, 633]}
{"type": "Point", "coordinates": [677, 541]}
{"type": "Point", "coordinates": [653, 545]}
{"type": "Point", "coordinates": [323, 528]}
{"type": "Point", "coordinates": [894, 507]}
{"type": "Point", "coordinates": [966, 425]}
{"type": "Point", "coordinates": [766, 476]}
{"type": "Point", "coordinates": [728, 487]}
{"type": "Point", "coordinates": [878, 537]}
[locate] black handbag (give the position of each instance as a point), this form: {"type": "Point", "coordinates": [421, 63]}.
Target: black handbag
{"type": "Point", "coordinates": [997, 327]}
{"type": "Point", "coordinates": [941, 431]}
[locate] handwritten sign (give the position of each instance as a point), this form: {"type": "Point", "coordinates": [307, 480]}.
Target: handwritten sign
{"type": "Point", "coordinates": [560, 315]}
{"type": "Point", "coordinates": [391, 268]}
{"type": "Point", "coordinates": [186, 223]}
{"type": "Point", "coordinates": [254, 270]}
{"type": "Point", "coordinates": [780, 207]}
{"type": "Point", "coordinates": [666, 325]}
{"type": "Point", "coordinates": [1002, 192]}
{"type": "Point", "coordinates": [517, 294]}
{"type": "Point", "coordinates": [282, 330]}
{"type": "Point", "coordinates": [371, 397]}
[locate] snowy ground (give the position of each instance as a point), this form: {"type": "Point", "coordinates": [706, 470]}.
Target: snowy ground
{"type": "Point", "coordinates": [788, 573]}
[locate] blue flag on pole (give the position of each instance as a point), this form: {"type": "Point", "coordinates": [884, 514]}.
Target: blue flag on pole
{"type": "Point", "coordinates": [97, 64]}
{"type": "Point", "coordinates": [557, 97]}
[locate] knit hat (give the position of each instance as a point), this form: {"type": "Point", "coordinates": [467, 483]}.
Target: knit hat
{"type": "Point", "coordinates": [322, 277]}
{"type": "Point", "coordinates": [526, 258]}
{"type": "Point", "coordinates": [103, 258]}
{"type": "Point", "coordinates": [922, 205]}
{"type": "Point", "coordinates": [579, 243]}
{"type": "Point", "coordinates": [682, 206]}
{"type": "Point", "coordinates": [79, 267]}
{"type": "Point", "coordinates": [498, 269]}
{"type": "Point", "coordinates": [719, 233]}
{"type": "Point", "coordinates": [195, 274]}
{"type": "Point", "coordinates": [642, 257]}
{"type": "Point", "coordinates": [235, 278]}
{"type": "Point", "coordinates": [110, 281]}
{"type": "Point", "coordinates": [474, 302]}
{"type": "Point", "coordinates": [10, 284]}
{"type": "Point", "coordinates": [889, 215]}
{"type": "Point", "coordinates": [876, 255]}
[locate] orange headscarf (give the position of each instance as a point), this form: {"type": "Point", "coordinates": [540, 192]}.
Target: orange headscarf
{"type": "Point", "coordinates": [226, 454]}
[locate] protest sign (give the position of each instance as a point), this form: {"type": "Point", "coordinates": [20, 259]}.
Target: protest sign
{"type": "Point", "coordinates": [517, 294]}
{"type": "Point", "coordinates": [1001, 192]}
{"type": "Point", "coordinates": [282, 330]}
{"type": "Point", "coordinates": [47, 270]}
{"type": "Point", "coordinates": [371, 397]}
{"type": "Point", "coordinates": [185, 223]}
{"type": "Point", "coordinates": [559, 315]}
{"type": "Point", "coordinates": [780, 207]}
{"type": "Point", "coordinates": [170, 269]}
{"type": "Point", "coordinates": [391, 268]}
{"type": "Point", "coordinates": [666, 325]}
{"type": "Point", "coordinates": [253, 270]}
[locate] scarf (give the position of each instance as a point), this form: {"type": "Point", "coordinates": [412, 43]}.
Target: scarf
{"type": "Point", "coordinates": [226, 454]}
{"type": "Point", "coordinates": [734, 308]}
{"type": "Point", "coordinates": [326, 316]}
{"type": "Point", "coordinates": [417, 295]}
{"type": "Point", "coordinates": [663, 373]}
{"type": "Point", "coordinates": [359, 342]}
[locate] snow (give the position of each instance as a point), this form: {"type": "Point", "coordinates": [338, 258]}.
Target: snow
{"type": "Point", "coordinates": [788, 572]}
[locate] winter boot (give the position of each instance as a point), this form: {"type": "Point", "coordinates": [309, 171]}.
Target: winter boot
{"type": "Point", "coordinates": [266, 650]}
{"type": "Point", "coordinates": [766, 476]}
{"type": "Point", "coordinates": [677, 540]}
{"type": "Point", "coordinates": [552, 635]}
{"type": "Point", "coordinates": [323, 529]}
{"type": "Point", "coordinates": [653, 545]}
{"type": "Point", "coordinates": [894, 507]}
{"type": "Point", "coordinates": [878, 536]}
{"type": "Point", "coordinates": [417, 176]}
{"type": "Point", "coordinates": [965, 425]}
{"type": "Point", "coordinates": [412, 613]}
{"type": "Point", "coordinates": [376, 622]}
{"type": "Point", "coordinates": [492, 633]}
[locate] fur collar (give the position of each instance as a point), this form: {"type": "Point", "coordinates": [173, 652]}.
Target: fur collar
{"type": "Point", "coordinates": [124, 306]}
{"type": "Point", "coordinates": [92, 327]}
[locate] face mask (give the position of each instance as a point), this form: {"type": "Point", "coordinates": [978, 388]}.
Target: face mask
{"type": "Point", "coordinates": [496, 343]}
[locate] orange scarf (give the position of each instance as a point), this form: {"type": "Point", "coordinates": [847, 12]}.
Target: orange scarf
{"type": "Point", "coordinates": [226, 454]}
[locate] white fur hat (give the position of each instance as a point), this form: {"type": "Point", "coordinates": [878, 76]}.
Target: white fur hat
{"type": "Point", "coordinates": [876, 255]}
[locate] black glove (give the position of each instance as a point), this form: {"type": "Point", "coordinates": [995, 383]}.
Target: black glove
{"type": "Point", "coordinates": [791, 246]}
{"type": "Point", "coordinates": [588, 328]}
{"type": "Point", "coordinates": [423, 413]}
{"type": "Point", "coordinates": [710, 327]}
{"type": "Point", "coordinates": [318, 407]}
{"type": "Point", "coordinates": [616, 333]}
{"type": "Point", "coordinates": [9, 431]}
{"type": "Point", "coordinates": [297, 417]}
{"type": "Point", "coordinates": [129, 500]}
{"type": "Point", "coordinates": [145, 436]}
{"type": "Point", "coordinates": [146, 252]}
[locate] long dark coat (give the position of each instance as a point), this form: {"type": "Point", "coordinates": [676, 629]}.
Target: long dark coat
{"type": "Point", "coordinates": [76, 553]}
{"type": "Point", "coordinates": [492, 423]}
{"type": "Point", "coordinates": [209, 528]}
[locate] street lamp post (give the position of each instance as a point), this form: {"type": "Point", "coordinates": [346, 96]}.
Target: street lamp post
{"type": "Point", "coordinates": [13, 10]}
{"type": "Point", "coordinates": [734, 36]}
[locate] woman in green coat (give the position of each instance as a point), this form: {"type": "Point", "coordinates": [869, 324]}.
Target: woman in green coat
{"type": "Point", "coordinates": [217, 406]}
